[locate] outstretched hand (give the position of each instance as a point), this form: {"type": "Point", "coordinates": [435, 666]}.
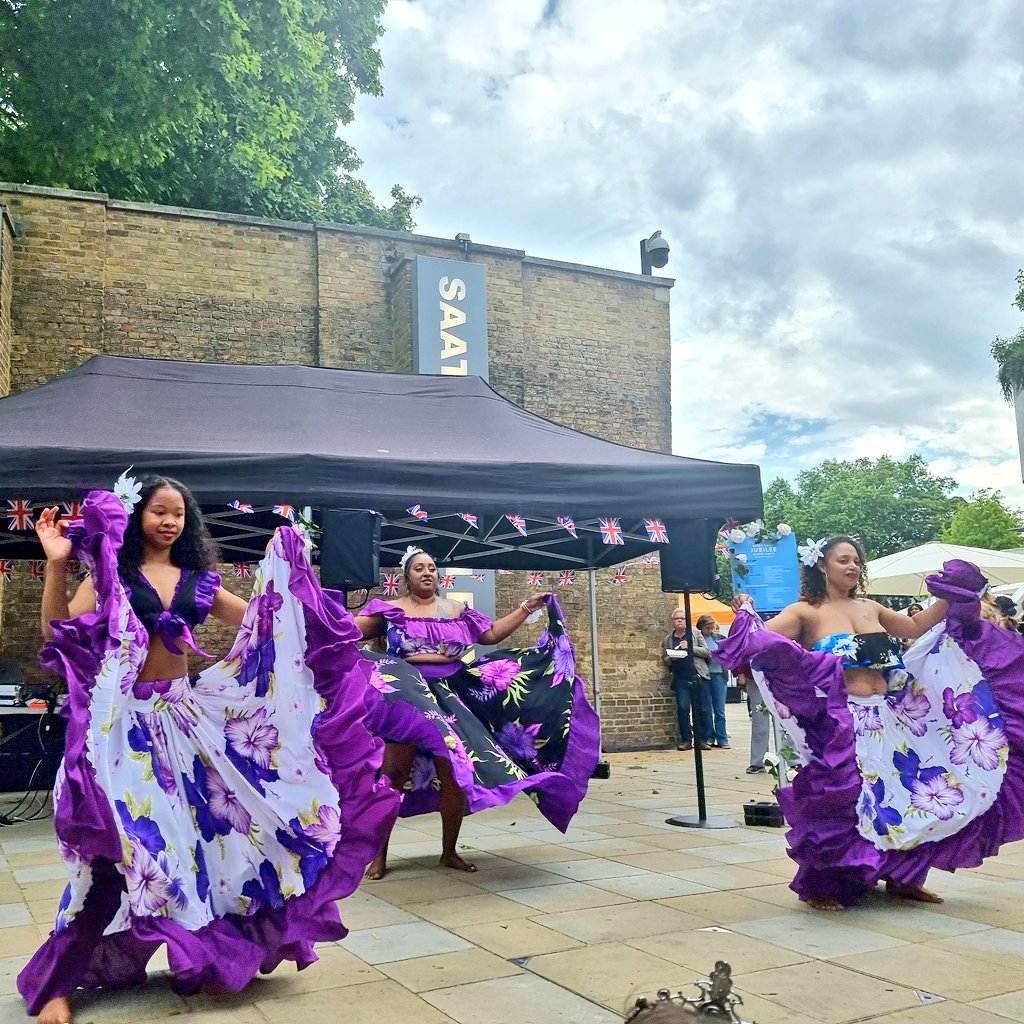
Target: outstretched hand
{"type": "Point", "coordinates": [50, 531]}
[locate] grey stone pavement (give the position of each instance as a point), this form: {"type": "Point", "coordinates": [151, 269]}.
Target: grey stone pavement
{"type": "Point", "coordinates": [570, 929]}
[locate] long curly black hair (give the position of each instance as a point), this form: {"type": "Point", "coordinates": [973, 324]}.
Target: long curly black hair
{"type": "Point", "coordinates": [194, 548]}
{"type": "Point", "coordinates": [812, 579]}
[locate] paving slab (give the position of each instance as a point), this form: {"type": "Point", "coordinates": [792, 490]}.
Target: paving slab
{"type": "Point", "coordinates": [955, 976]}
{"type": "Point", "coordinates": [447, 970]}
{"type": "Point", "coordinates": [525, 997]}
{"type": "Point", "coordinates": [377, 1003]}
{"type": "Point", "coordinates": [402, 942]}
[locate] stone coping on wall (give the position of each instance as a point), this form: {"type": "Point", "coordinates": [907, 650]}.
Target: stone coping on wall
{"type": "Point", "coordinates": [314, 226]}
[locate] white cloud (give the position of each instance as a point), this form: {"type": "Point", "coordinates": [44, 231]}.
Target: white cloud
{"type": "Point", "coordinates": [840, 189]}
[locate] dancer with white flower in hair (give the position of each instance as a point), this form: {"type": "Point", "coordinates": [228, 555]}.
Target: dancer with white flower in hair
{"type": "Point", "coordinates": [224, 815]}
{"type": "Point", "coordinates": [462, 737]}
{"type": "Point", "coordinates": [912, 760]}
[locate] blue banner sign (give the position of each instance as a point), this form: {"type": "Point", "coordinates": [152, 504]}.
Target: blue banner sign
{"type": "Point", "coordinates": [773, 572]}
{"type": "Point", "coordinates": [450, 317]}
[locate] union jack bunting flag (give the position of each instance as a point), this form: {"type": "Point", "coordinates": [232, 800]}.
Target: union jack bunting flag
{"type": "Point", "coordinates": [6, 569]}
{"type": "Point", "coordinates": [72, 509]}
{"type": "Point", "coordinates": [19, 514]}
{"type": "Point", "coordinates": [504, 572]}
{"type": "Point", "coordinates": [611, 532]}
{"type": "Point", "coordinates": [567, 578]}
{"type": "Point", "coordinates": [240, 506]}
{"type": "Point", "coordinates": [286, 511]}
{"type": "Point", "coordinates": [569, 524]}
{"type": "Point", "coordinates": [469, 518]}
{"type": "Point", "coordinates": [418, 513]}
{"type": "Point", "coordinates": [447, 582]}
{"type": "Point", "coordinates": [390, 581]}
{"type": "Point", "coordinates": [479, 577]}
{"type": "Point", "coordinates": [243, 570]}
{"type": "Point", "coordinates": [652, 559]}
{"type": "Point", "coordinates": [518, 522]}
{"type": "Point", "coordinates": [620, 577]}
{"type": "Point", "coordinates": [74, 567]}
{"type": "Point", "coordinates": [37, 568]}
{"type": "Point", "coordinates": [536, 579]}
{"type": "Point", "coordinates": [656, 531]}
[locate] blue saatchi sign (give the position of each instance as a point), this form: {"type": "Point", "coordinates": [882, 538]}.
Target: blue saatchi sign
{"type": "Point", "coordinates": [450, 317]}
{"type": "Point", "coordinates": [773, 572]}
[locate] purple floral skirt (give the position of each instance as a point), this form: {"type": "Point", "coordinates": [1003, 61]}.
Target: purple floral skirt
{"type": "Point", "coordinates": [513, 721]}
{"type": "Point", "coordinates": [225, 818]}
{"type": "Point", "coordinates": [961, 715]}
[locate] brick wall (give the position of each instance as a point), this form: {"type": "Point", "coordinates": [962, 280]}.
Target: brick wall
{"type": "Point", "coordinates": [6, 285]}
{"type": "Point", "coordinates": [582, 346]}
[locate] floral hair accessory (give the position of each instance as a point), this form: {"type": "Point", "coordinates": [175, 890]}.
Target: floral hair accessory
{"type": "Point", "coordinates": [128, 490]}
{"type": "Point", "coordinates": [811, 552]}
{"type": "Point", "coordinates": [410, 551]}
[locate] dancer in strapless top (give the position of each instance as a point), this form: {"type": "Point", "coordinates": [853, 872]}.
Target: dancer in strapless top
{"type": "Point", "coordinates": [909, 757]}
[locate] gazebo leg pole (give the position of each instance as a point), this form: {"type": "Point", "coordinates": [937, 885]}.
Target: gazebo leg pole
{"type": "Point", "coordinates": [602, 770]}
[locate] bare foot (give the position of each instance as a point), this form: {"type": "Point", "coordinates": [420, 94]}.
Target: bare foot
{"type": "Point", "coordinates": [377, 869]}
{"type": "Point", "coordinates": [56, 1011]}
{"type": "Point", "coordinates": [825, 903]}
{"type": "Point", "coordinates": [453, 860]}
{"type": "Point", "coordinates": [912, 892]}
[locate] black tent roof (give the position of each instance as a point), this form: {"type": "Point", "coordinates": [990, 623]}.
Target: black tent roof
{"type": "Point", "coordinates": [357, 439]}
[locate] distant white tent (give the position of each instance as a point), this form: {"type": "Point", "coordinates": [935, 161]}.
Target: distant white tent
{"type": "Point", "coordinates": [904, 572]}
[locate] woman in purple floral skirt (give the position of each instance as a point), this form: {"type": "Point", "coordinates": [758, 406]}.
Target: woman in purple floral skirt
{"type": "Point", "coordinates": [911, 760]}
{"type": "Point", "coordinates": [462, 737]}
{"type": "Point", "coordinates": [221, 816]}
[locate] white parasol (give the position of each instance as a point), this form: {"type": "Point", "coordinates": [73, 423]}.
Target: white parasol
{"type": "Point", "coordinates": [904, 572]}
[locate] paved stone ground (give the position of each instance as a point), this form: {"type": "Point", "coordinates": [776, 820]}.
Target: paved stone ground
{"type": "Point", "coordinates": [570, 929]}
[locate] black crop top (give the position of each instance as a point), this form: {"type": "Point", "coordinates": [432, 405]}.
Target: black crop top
{"type": "Point", "coordinates": [193, 598]}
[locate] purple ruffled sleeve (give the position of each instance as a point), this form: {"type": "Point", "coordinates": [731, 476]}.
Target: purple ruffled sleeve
{"type": "Point", "coordinates": [478, 622]}
{"type": "Point", "coordinates": [206, 591]}
{"type": "Point", "coordinates": [391, 612]}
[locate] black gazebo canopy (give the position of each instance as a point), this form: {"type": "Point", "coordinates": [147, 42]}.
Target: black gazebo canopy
{"type": "Point", "coordinates": [300, 435]}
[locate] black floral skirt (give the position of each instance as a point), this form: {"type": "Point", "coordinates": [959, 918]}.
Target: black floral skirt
{"type": "Point", "coordinates": [512, 721]}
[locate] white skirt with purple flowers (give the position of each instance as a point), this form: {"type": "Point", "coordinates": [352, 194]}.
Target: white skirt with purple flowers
{"type": "Point", "coordinates": [223, 819]}
{"type": "Point", "coordinates": [931, 752]}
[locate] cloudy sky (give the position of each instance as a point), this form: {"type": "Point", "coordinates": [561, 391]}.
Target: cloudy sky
{"type": "Point", "coordinates": [840, 184]}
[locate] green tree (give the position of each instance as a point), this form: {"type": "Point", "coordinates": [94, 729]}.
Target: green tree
{"type": "Point", "coordinates": [885, 503]}
{"type": "Point", "coordinates": [984, 521]}
{"type": "Point", "coordinates": [1009, 352]}
{"type": "Point", "coordinates": [228, 105]}
{"type": "Point", "coordinates": [723, 591]}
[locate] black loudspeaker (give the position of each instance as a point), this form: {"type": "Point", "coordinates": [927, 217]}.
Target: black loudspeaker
{"type": "Point", "coordinates": [688, 560]}
{"type": "Point", "coordinates": [350, 549]}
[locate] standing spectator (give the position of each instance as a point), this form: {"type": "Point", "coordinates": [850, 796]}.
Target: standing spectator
{"type": "Point", "coordinates": [911, 610]}
{"type": "Point", "coordinates": [717, 684]}
{"type": "Point", "coordinates": [760, 720]}
{"type": "Point", "coordinates": [687, 660]}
